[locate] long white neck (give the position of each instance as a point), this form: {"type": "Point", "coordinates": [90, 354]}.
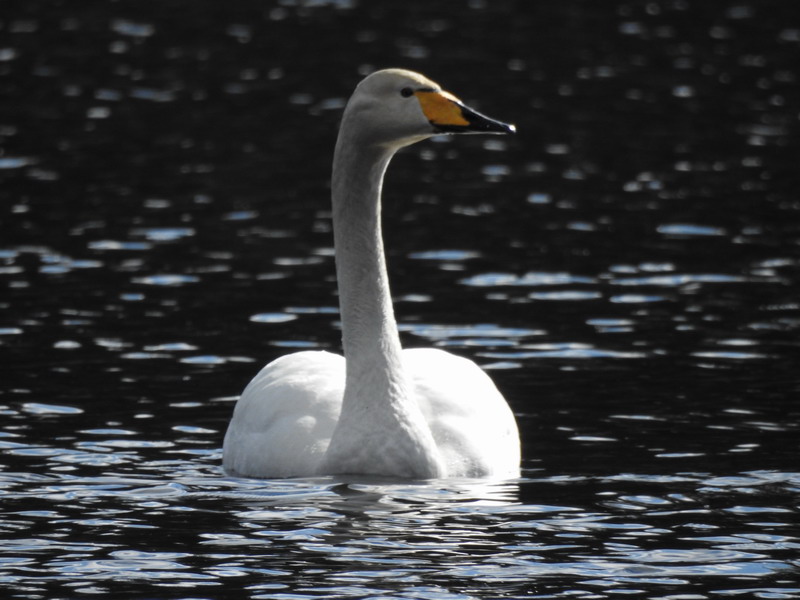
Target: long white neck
{"type": "Point", "coordinates": [378, 408]}
{"type": "Point", "coordinates": [369, 330]}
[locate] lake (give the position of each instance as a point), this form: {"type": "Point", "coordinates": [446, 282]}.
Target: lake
{"type": "Point", "coordinates": [626, 267]}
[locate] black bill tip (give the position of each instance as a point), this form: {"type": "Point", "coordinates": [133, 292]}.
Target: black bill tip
{"type": "Point", "coordinates": [477, 123]}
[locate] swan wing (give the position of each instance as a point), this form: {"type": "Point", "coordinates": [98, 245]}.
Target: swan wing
{"type": "Point", "coordinates": [473, 427]}
{"type": "Point", "coordinates": [284, 419]}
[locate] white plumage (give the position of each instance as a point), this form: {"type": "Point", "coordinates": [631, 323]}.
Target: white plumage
{"type": "Point", "coordinates": [379, 410]}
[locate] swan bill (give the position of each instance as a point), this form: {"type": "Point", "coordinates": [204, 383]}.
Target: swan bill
{"type": "Point", "coordinates": [447, 114]}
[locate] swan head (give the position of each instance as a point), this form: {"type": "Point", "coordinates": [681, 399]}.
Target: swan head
{"type": "Point", "coordinates": [395, 108]}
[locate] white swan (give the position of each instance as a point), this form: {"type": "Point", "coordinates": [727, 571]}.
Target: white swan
{"type": "Point", "coordinates": [379, 410]}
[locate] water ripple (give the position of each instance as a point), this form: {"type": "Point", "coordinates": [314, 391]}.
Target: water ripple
{"type": "Point", "coordinates": [627, 265]}
{"type": "Point", "coordinates": [472, 532]}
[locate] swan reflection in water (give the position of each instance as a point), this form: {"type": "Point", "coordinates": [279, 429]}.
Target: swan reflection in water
{"type": "Point", "coordinates": [358, 496]}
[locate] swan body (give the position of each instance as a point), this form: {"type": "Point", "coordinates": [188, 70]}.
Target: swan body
{"type": "Point", "coordinates": [379, 409]}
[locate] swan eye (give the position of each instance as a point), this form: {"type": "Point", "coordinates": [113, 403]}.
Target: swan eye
{"type": "Point", "coordinates": [406, 92]}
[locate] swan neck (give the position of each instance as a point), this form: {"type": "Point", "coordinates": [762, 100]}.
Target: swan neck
{"type": "Point", "coordinates": [378, 407]}
{"type": "Point", "coordinates": [369, 329]}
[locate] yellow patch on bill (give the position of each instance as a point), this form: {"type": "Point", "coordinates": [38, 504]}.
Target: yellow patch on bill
{"type": "Point", "coordinates": [441, 108]}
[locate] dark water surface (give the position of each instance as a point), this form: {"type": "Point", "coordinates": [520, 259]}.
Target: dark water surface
{"type": "Point", "coordinates": [627, 266]}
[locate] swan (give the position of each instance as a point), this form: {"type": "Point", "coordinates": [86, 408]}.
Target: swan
{"type": "Point", "coordinates": [379, 410]}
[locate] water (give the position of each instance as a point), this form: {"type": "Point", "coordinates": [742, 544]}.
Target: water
{"type": "Point", "coordinates": [627, 267]}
